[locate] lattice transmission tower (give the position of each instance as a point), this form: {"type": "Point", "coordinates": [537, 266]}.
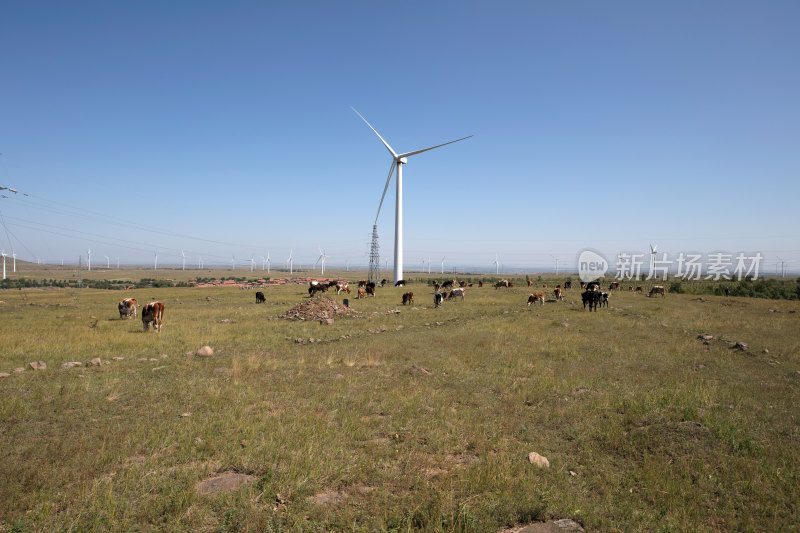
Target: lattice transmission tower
{"type": "Point", "coordinates": [374, 257]}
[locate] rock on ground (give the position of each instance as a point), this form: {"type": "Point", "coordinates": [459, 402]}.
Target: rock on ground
{"type": "Point", "coordinates": [205, 351]}
{"type": "Point", "coordinates": [225, 482]}
{"type": "Point", "coordinates": [538, 460]}
{"type": "Point", "coordinates": [38, 365]}
{"type": "Point", "coordinates": [95, 362]}
{"type": "Point", "coordinates": [317, 309]}
{"type": "Point", "coordinates": [565, 525]}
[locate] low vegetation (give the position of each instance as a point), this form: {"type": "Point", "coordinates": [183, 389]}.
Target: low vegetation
{"type": "Point", "coordinates": [420, 419]}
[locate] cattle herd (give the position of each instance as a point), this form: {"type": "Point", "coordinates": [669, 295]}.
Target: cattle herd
{"type": "Point", "coordinates": [592, 295]}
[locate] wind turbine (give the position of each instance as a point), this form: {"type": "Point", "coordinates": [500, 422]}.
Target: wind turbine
{"type": "Point", "coordinates": [184, 259]}
{"type": "Point", "coordinates": [496, 264]}
{"type": "Point", "coordinates": [14, 255]}
{"type": "Point", "coordinates": [155, 260]}
{"type": "Point", "coordinates": [252, 263]}
{"type": "Point", "coordinates": [429, 265]}
{"type": "Point", "coordinates": [89, 253]}
{"type": "Point", "coordinates": [117, 262]}
{"type": "Point", "coordinates": [233, 262]}
{"type": "Point", "coordinates": [556, 258]}
{"type": "Point", "coordinates": [442, 265]}
{"type": "Point", "coordinates": [398, 160]}
{"type": "Point", "coordinates": [290, 261]}
{"type": "Point", "coordinates": [321, 258]}
{"type": "Point", "coordinates": [347, 265]}
{"type": "Point", "coordinates": [4, 264]}
{"type": "Point", "coordinates": [267, 261]}
{"type": "Point", "coordinates": [199, 263]}
{"type": "Point", "coordinates": [108, 263]}
{"type": "Point", "coordinates": [653, 250]}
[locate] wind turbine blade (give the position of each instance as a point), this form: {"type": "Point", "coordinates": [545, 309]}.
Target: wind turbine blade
{"type": "Point", "coordinates": [394, 154]}
{"type": "Point", "coordinates": [385, 187]}
{"type": "Point", "coordinates": [409, 154]}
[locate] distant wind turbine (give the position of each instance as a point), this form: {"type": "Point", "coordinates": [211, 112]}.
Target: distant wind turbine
{"type": "Point", "coordinates": [233, 262]}
{"type": "Point", "coordinates": [89, 254]}
{"type": "Point", "coordinates": [398, 160]}
{"type": "Point", "coordinates": [14, 255]}
{"type": "Point", "coordinates": [267, 261]}
{"type": "Point", "coordinates": [184, 259]}
{"type": "Point", "coordinates": [442, 265]}
{"type": "Point", "coordinates": [321, 260]}
{"type": "Point", "coordinates": [290, 261]}
{"type": "Point", "coordinates": [4, 264]}
{"type": "Point", "coordinates": [556, 258]}
{"type": "Point", "coordinates": [108, 263]}
{"type": "Point", "coordinates": [155, 260]}
{"type": "Point", "coordinates": [496, 264]}
{"type": "Point", "coordinates": [252, 263]}
{"type": "Point", "coordinates": [653, 250]}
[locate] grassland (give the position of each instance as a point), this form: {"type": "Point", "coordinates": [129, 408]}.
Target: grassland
{"type": "Point", "coordinates": [420, 420]}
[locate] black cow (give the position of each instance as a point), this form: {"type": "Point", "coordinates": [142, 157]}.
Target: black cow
{"type": "Point", "coordinates": [260, 298]}
{"type": "Point", "coordinates": [438, 298]}
{"type": "Point", "coordinates": [448, 283]}
{"type": "Point", "coordinates": [400, 283]}
{"type": "Point", "coordinates": [603, 299]}
{"type": "Point", "coordinates": [592, 285]}
{"type": "Point", "coordinates": [592, 298]}
{"type": "Point", "coordinates": [567, 284]}
{"type": "Point", "coordinates": [318, 287]}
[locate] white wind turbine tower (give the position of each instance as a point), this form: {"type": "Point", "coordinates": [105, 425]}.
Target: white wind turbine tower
{"type": "Point", "coordinates": [108, 263]}
{"type": "Point", "coordinates": [267, 261]}
{"type": "Point", "coordinates": [347, 265]}
{"type": "Point", "coordinates": [398, 160]}
{"type": "Point", "coordinates": [290, 261]}
{"type": "Point", "coordinates": [199, 263]}
{"type": "Point", "coordinates": [4, 264]}
{"type": "Point", "coordinates": [14, 255]}
{"type": "Point", "coordinates": [442, 265]}
{"type": "Point", "coordinates": [429, 265]}
{"type": "Point", "coordinates": [252, 263]}
{"type": "Point", "coordinates": [233, 262]}
{"type": "Point", "coordinates": [89, 253]}
{"type": "Point", "coordinates": [184, 259]}
{"type": "Point", "coordinates": [321, 259]}
{"type": "Point", "coordinates": [653, 250]}
{"type": "Point", "coordinates": [155, 260]}
{"type": "Point", "coordinates": [556, 258]}
{"type": "Point", "coordinates": [496, 264]}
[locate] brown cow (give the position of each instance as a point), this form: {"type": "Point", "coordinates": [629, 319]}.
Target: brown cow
{"type": "Point", "coordinates": [342, 286]}
{"type": "Point", "coordinates": [408, 297]}
{"type": "Point", "coordinates": [639, 288]}
{"type": "Point", "coordinates": [361, 294]}
{"type": "Point", "coordinates": [370, 289]}
{"type": "Point", "coordinates": [127, 307]}
{"type": "Point", "coordinates": [614, 286]}
{"type": "Point", "coordinates": [536, 297]}
{"type": "Point", "coordinates": [657, 289]}
{"type": "Point", "coordinates": [558, 294]}
{"type": "Point", "coordinates": [480, 283]}
{"type": "Point", "coordinates": [530, 283]}
{"type": "Point", "coordinates": [362, 283]}
{"type": "Point", "coordinates": [153, 312]}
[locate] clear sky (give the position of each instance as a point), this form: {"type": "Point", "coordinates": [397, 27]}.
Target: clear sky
{"type": "Point", "coordinates": [226, 129]}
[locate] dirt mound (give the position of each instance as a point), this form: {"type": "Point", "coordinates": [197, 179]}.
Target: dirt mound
{"type": "Point", "coordinates": [317, 309]}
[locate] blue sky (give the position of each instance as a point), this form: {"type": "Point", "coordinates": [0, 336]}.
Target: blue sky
{"type": "Point", "coordinates": [227, 129]}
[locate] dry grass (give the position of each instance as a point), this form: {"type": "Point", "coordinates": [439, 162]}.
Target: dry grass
{"type": "Point", "coordinates": [420, 420]}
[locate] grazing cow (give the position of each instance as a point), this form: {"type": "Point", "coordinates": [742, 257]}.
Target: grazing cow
{"type": "Point", "coordinates": [502, 283]}
{"type": "Point", "coordinates": [480, 283]}
{"type": "Point", "coordinates": [592, 298]}
{"type": "Point", "coordinates": [639, 288]}
{"type": "Point", "coordinates": [567, 284]}
{"type": "Point", "coordinates": [455, 293]}
{"type": "Point", "coordinates": [583, 285]}
{"type": "Point", "coordinates": [408, 297]}
{"type": "Point", "coordinates": [614, 286]}
{"type": "Point", "coordinates": [362, 283]}
{"type": "Point", "coordinates": [544, 285]}
{"type": "Point", "coordinates": [657, 289]}
{"type": "Point", "coordinates": [438, 298]}
{"type": "Point", "coordinates": [127, 307]}
{"type": "Point", "coordinates": [384, 281]}
{"type": "Point", "coordinates": [510, 284]}
{"type": "Point", "coordinates": [398, 283]}
{"type": "Point", "coordinates": [530, 283]}
{"type": "Point", "coordinates": [603, 299]}
{"type": "Point", "coordinates": [153, 312]}
{"type": "Point", "coordinates": [593, 286]}
{"type": "Point", "coordinates": [342, 286]}
{"type": "Point", "coordinates": [260, 298]}
{"type": "Point", "coordinates": [435, 286]}
{"type": "Point", "coordinates": [558, 294]}
{"type": "Point", "coordinates": [370, 289]}
{"type": "Point", "coordinates": [536, 297]}
{"type": "Point", "coordinates": [448, 283]}
{"type": "Point", "coordinates": [319, 287]}
{"type": "Point", "coordinates": [462, 284]}
{"type": "Point", "coordinates": [361, 294]}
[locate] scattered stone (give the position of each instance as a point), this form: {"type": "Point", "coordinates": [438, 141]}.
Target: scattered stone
{"type": "Point", "coordinates": [118, 358]}
{"type": "Point", "coordinates": [705, 337]}
{"type": "Point", "coordinates": [317, 309]}
{"type": "Point", "coordinates": [95, 362]}
{"type": "Point", "coordinates": [227, 321]}
{"type": "Point", "coordinates": [766, 350]}
{"type": "Point", "coordinates": [393, 312]}
{"type": "Point", "coordinates": [18, 370]}
{"type": "Point", "coordinates": [222, 370]}
{"type": "Point", "coordinates": [185, 415]}
{"type": "Point", "coordinates": [538, 460]}
{"type": "Point", "coordinates": [157, 368]}
{"type": "Point", "coordinates": [565, 324]}
{"type": "Point", "coordinates": [205, 351]}
{"type": "Point", "coordinates": [691, 424]}
{"type": "Point", "coordinates": [421, 370]}
{"type": "Point", "coordinates": [38, 365]}
{"type": "Point", "coordinates": [565, 525]}
{"type": "Point", "coordinates": [573, 474]}
{"type": "Point", "coordinates": [700, 299]}
{"type": "Point", "coordinates": [739, 346]}
{"type": "Point", "coordinates": [4, 374]}
{"type": "Point", "coordinates": [326, 321]}
{"type": "Point", "coordinates": [188, 354]}
{"type": "Point", "coordinates": [142, 360]}
{"type": "Point", "coordinates": [71, 364]}
{"type": "Point", "coordinates": [300, 340]}
{"type": "Point", "coordinates": [226, 482]}
{"type": "Point", "coordinates": [399, 327]}
{"type": "Point", "coordinates": [328, 498]}
{"type": "Point", "coordinates": [153, 359]}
